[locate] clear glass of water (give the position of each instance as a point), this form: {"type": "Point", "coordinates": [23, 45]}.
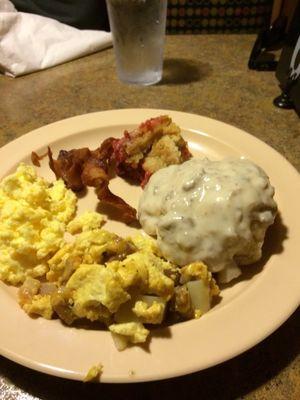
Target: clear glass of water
{"type": "Point", "coordinates": [138, 30]}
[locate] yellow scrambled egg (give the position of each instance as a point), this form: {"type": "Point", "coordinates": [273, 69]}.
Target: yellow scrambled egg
{"type": "Point", "coordinates": [93, 275]}
{"type": "Point", "coordinates": [94, 373]}
{"type": "Point", "coordinates": [120, 282]}
{"type": "Point", "coordinates": [33, 218]}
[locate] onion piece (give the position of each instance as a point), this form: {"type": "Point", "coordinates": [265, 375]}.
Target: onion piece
{"type": "Point", "coordinates": [200, 295]}
{"type": "Point", "coordinates": [29, 289]}
{"type": "Point", "coordinates": [149, 300]}
{"type": "Point", "coordinates": [47, 288]}
{"type": "Point", "coordinates": [120, 341]}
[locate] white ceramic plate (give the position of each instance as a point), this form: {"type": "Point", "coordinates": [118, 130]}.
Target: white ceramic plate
{"type": "Point", "coordinates": [249, 310]}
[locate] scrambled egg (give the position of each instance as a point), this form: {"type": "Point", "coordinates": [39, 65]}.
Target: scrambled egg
{"type": "Point", "coordinates": [94, 286]}
{"type": "Point", "coordinates": [86, 222]}
{"type": "Point", "coordinates": [152, 313]}
{"type": "Point", "coordinates": [94, 373]}
{"type": "Point", "coordinates": [146, 271]}
{"type": "Point", "coordinates": [134, 332]}
{"type": "Point", "coordinates": [93, 246]}
{"type": "Point", "coordinates": [39, 305]}
{"type": "Point", "coordinates": [89, 274]}
{"type": "Point", "coordinates": [33, 218]}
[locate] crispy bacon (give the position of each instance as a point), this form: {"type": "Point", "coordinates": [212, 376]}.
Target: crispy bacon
{"type": "Point", "coordinates": [83, 167]}
{"type": "Point", "coordinates": [69, 166]}
{"type": "Point", "coordinates": [107, 197]}
{"type": "Point", "coordinates": [96, 168]}
{"type": "Point", "coordinates": [35, 158]}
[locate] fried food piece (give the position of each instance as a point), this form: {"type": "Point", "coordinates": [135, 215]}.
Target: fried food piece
{"type": "Point", "coordinates": [69, 166]}
{"type": "Point", "coordinates": [127, 212]}
{"type": "Point", "coordinates": [155, 144]}
{"type": "Point", "coordinates": [82, 167]}
{"type": "Point", "coordinates": [35, 158]}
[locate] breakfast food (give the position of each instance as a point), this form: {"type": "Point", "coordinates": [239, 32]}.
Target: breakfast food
{"type": "Point", "coordinates": [90, 274]}
{"type": "Point", "coordinates": [83, 167]}
{"type": "Point", "coordinates": [33, 219]}
{"type": "Point", "coordinates": [208, 216]}
{"type": "Point", "coordinates": [94, 373]}
{"type": "Point", "coordinates": [217, 212]}
{"type": "Point", "coordinates": [122, 283]}
{"type": "Point", "coordinates": [155, 144]}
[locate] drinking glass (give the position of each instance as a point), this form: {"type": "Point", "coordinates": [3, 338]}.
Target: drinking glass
{"type": "Point", "coordinates": [138, 30]}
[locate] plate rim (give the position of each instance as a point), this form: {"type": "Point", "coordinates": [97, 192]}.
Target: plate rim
{"type": "Point", "coordinates": [34, 134]}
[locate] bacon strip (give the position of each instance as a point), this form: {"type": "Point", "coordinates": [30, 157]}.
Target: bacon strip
{"type": "Point", "coordinates": [107, 197]}
{"type": "Point", "coordinates": [35, 158]}
{"type": "Point", "coordinates": [83, 167]}
{"type": "Point", "coordinates": [95, 173]}
{"type": "Point", "coordinates": [69, 166]}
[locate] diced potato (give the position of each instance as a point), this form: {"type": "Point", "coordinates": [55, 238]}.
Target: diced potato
{"type": "Point", "coordinates": [200, 295]}
{"type": "Point", "coordinates": [120, 341]}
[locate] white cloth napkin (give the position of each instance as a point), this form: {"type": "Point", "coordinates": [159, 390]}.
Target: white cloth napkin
{"type": "Point", "coordinates": [30, 42]}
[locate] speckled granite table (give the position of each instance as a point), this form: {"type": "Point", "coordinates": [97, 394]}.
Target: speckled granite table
{"type": "Point", "coordinates": [206, 75]}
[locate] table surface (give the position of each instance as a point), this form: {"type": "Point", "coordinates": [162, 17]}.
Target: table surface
{"type": "Point", "coordinates": [206, 75]}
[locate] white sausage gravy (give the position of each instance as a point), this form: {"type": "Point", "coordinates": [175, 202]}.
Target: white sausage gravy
{"type": "Point", "coordinates": [211, 211]}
